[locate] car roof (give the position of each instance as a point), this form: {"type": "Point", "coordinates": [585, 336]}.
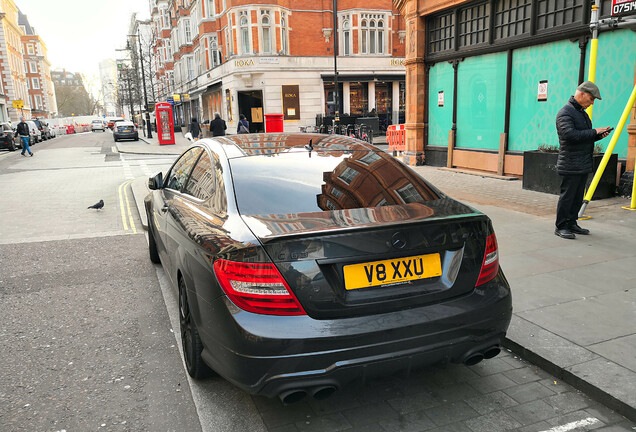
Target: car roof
{"type": "Point", "coordinates": [126, 123]}
{"type": "Point", "coordinates": [97, 121]}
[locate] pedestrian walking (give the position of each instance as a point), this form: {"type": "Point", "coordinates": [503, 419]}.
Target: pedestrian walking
{"type": "Point", "coordinates": [243, 125]}
{"type": "Point", "coordinates": [576, 146]}
{"type": "Point", "coordinates": [195, 129]}
{"type": "Point", "coordinates": [25, 136]}
{"type": "Point", "coordinates": [217, 126]}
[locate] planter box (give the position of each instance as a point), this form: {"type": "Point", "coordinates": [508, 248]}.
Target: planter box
{"type": "Point", "coordinates": [539, 174]}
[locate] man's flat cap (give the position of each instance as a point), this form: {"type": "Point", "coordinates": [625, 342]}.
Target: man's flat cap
{"type": "Point", "coordinates": [590, 87]}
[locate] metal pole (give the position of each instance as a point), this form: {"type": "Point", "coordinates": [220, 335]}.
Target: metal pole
{"type": "Point", "coordinates": [335, 60]}
{"type": "Point", "coordinates": [143, 79]}
{"type": "Point", "coordinates": [593, 48]}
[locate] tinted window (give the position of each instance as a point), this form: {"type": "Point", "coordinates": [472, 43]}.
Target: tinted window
{"type": "Point", "coordinates": [296, 183]}
{"type": "Point", "coordinates": [181, 169]}
{"type": "Point", "coordinates": [201, 183]}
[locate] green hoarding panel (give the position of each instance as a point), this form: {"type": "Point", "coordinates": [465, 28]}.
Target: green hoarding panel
{"type": "Point", "coordinates": [440, 120]}
{"type": "Point", "coordinates": [615, 65]}
{"type": "Point", "coordinates": [481, 101]}
{"type": "Point", "coordinates": [532, 122]}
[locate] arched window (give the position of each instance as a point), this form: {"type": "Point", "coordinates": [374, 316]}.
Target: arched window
{"type": "Point", "coordinates": [380, 37]}
{"type": "Point", "coordinates": [372, 33]}
{"type": "Point", "coordinates": [346, 39]}
{"type": "Point", "coordinates": [267, 36]}
{"type": "Point", "coordinates": [283, 39]}
{"type": "Point", "coordinates": [365, 36]}
{"type": "Point", "coordinates": [245, 35]}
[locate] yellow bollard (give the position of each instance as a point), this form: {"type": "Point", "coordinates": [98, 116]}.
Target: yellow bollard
{"type": "Point", "coordinates": [608, 152]}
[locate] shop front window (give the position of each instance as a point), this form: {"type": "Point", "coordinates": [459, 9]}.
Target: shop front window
{"type": "Point", "coordinates": [358, 98]}
{"type": "Point", "coordinates": [383, 92]}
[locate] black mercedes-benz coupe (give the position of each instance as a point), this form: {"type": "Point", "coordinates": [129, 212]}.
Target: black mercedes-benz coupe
{"type": "Point", "coordinates": [305, 261]}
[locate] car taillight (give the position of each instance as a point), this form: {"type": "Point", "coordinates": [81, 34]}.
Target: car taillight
{"type": "Point", "coordinates": [490, 264]}
{"type": "Point", "coordinates": [257, 288]}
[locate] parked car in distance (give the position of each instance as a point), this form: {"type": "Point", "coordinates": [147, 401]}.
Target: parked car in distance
{"type": "Point", "coordinates": [8, 137]}
{"type": "Point", "coordinates": [34, 132]}
{"type": "Point", "coordinates": [97, 125]}
{"type": "Point", "coordinates": [43, 127]}
{"type": "Point", "coordinates": [125, 130]}
{"type": "Point", "coordinates": [70, 129]}
{"type": "Point", "coordinates": [304, 262]}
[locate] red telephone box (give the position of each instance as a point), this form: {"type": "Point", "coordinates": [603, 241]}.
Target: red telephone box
{"type": "Point", "coordinates": [165, 124]}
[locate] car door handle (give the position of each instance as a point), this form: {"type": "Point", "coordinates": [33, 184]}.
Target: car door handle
{"type": "Point", "coordinates": [165, 208]}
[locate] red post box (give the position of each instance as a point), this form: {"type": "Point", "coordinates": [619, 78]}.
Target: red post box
{"type": "Point", "coordinates": [273, 123]}
{"type": "Point", "coordinates": [165, 124]}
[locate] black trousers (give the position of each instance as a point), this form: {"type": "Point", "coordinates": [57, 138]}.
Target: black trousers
{"type": "Point", "coordinates": [570, 200]}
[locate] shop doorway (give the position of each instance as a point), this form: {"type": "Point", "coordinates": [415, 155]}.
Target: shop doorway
{"type": "Point", "coordinates": [250, 104]}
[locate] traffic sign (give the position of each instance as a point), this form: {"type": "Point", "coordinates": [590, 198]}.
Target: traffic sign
{"type": "Point", "coordinates": [18, 103]}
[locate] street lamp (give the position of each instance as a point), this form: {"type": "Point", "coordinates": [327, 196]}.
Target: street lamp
{"type": "Point", "coordinates": [335, 60]}
{"type": "Point", "coordinates": [143, 77]}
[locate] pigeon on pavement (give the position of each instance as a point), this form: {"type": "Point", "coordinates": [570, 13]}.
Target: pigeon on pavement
{"type": "Point", "coordinates": [97, 206]}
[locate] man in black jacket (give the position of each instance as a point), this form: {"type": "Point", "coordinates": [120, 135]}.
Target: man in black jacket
{"type": "Point", "coordinates": [25, 136]}
{"type": "Point", "coordinates": [576, 145]}
{"type": "Point", "coordinates": [217, 126]}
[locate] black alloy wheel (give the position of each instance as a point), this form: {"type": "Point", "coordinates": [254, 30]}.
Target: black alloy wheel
{"type": "Point", "coordinates": [190, 340]}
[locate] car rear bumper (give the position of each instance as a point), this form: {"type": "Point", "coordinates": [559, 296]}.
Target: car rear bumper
{"type": "Point", "coordinates": [131, 135]}
{"type": "Point", "coordinates": [271, 355]}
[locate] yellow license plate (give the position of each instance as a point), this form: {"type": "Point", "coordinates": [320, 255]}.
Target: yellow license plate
{"type": "Point", "coordinates": [393, 271]}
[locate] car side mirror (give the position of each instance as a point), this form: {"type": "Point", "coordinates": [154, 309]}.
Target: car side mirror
{"type": "Point", "coordinates": [156, 182]}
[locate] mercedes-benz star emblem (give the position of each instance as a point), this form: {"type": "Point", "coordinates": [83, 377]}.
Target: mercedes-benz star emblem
{"type": "Point", "coordinates": [398, 240]}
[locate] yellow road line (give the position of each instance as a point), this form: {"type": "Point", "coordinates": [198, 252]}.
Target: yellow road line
{"type": "Point", "coordinates": [121, 206]}
{"type": "Point", "coordinates": [132, 222]}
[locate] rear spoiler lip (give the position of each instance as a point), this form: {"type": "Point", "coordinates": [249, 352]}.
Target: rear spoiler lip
{"type": "Point", "coordinates": [337, 230]}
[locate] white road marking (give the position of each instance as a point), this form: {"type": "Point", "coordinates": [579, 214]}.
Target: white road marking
{"type": "Point", "coordinates": [145, 169]}
{"type": "Point", "coordinates": [573, 425]}
{"type": "Point", "coordinates": [127, 170]}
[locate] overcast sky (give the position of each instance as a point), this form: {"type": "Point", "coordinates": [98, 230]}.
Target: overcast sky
{"type": "Point", "coordinates": [80, 33]}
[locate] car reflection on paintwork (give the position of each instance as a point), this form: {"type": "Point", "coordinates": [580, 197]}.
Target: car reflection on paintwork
{"type": "Point", "coordinates": [304, 262]}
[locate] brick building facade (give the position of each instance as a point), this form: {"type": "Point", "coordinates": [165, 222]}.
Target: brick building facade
{"type": "Point", "coordinates": [256, 58]}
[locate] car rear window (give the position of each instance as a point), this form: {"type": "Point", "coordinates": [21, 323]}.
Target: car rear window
{"type": "Point", "coordinates": [296, 182]}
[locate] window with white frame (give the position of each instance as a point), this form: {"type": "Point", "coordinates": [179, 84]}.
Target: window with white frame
{"type": "Point", "coordinates": [187, 31]}
{"type": "Point", "coordinates": [211, 8]}
{"type": "Point", "coordinates": [165, 19]}
{"type": "Point", "coordinates": [30, 49]}
{"type": "Point", "coordinates": [197, 19]}
{"type": "Point", "coordinates": [215, 54]}
{"type": "Point", "coordinates": [266, 31]}
{"type": "Point", "coordinates": [346, 36]}
{"type": "Point", "coordinates": [228, 45]}
{"type": "Point", "coordinates": [198, 60]}
{"type": "Point", "coordinates": [283, 34]}
{"type": "Point", "coordinates": [190, 65]}
{"type": "Point", "coordinates": [245, 33]}
{"type": "Point", "coordinates": [372, 34]}
{"type": "Point", "coordinates": [33, 67]}
{"type": "Point", "coordinates": [169, 50]}
{"type": "Point", "coordinates": [38, 102]}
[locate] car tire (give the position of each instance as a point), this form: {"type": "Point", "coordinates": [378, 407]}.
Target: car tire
{"type": "Point", "coordinates": [115, 139]}
{"type": "Point", "coordinates": [152, 245]}
{"type": "Point", "coordinates": [190, 340]}
{"type": "Point", "coordinates": [11, 146]}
